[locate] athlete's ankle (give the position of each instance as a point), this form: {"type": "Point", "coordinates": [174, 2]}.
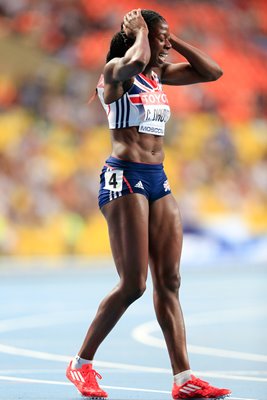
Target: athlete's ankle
{"type": "Point", "coordinates": [78, 362]}
{"type": "Point", "coordinates": [182, 377]}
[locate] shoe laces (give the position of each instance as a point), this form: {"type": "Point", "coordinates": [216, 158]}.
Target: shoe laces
{"type": "Point", "coordinates": [90, 376]}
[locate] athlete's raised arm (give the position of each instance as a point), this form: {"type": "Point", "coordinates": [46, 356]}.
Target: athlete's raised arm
{"type": "Point", "coordinates": [137, 56]}
{"type": "Point", "coordinates": [199, 68]}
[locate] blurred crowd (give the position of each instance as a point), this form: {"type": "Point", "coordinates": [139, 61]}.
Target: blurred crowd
{"type": "Point", "coordinates": [53, 144]}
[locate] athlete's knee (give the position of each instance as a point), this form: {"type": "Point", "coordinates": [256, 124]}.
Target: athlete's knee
{"type": "Point", "coordinates": [168, 284]}
{"type": "Point", "coordinates": [132, 291]}
{"type": "Point", "coordinates": [173, 283]}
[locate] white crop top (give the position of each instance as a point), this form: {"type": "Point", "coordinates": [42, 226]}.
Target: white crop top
{"type": "Point", "coordinates": [144, 105]}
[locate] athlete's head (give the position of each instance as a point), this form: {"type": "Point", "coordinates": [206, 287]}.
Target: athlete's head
{"type": "Point", "coordinates": [157, 27]}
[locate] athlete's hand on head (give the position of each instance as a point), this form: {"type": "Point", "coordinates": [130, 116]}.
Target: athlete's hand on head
{"type": "Point", "coordinates": [133, 22]}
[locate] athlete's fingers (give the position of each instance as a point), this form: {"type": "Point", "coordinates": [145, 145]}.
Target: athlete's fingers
{"type": "Point", "coordinates": [132, 13]}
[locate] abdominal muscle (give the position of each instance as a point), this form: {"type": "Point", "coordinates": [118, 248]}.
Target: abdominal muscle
{"type": "Point", "coordinates": [129, 144]}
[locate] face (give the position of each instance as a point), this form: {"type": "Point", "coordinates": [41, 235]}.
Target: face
{"type": "Point", "coordinates": [159, 39]}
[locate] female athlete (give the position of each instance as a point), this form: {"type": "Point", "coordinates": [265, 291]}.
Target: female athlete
{"type": "Point", "coordinates": [135, 197]}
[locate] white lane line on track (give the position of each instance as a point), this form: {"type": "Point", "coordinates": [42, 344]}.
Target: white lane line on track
{"type": "Point", "coordinates": [237, 355]}
{"type": "Point", "coordinates": [47, 382]}
{"type": "Point", "coordinates": [40, 355]}
{"type": "Point", "coordinates": [130, 367]}
{"type": "Point", "coordinates": [144, 333]}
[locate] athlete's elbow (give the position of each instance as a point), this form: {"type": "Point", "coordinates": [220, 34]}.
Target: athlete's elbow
{"type": "Point", "coordinates": [215, 74]}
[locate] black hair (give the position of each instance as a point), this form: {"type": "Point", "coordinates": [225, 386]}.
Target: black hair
{"type": "Point", "coordinates": [120, 43]}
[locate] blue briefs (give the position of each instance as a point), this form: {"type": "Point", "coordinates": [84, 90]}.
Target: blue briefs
{"type": "Point", "coordinates": [121, 177]}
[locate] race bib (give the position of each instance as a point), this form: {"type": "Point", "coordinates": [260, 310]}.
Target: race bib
{"type": "Point", "coordinates": [157, 113]}
{"type": "Point", "coordinates": [114, 180]}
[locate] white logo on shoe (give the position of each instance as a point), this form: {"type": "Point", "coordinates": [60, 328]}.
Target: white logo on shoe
{"type": "Point", "coordinates": [189, 388]}
{"type": "Point", "coordinates": [76, 375]}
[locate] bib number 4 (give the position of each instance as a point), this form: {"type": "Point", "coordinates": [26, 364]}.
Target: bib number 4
{"type": "Point", "coordinates": [114, 180]}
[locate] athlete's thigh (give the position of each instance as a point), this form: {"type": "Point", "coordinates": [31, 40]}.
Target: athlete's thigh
{"type": "Point", "coordinates": [127, 219]}
{"type": "Point", "coordinates": [165, 237]}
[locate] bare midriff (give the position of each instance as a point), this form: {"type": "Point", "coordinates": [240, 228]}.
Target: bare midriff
{"type": "Point", "coordinates": [129, 144]}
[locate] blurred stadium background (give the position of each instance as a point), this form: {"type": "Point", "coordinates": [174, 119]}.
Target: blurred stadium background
{"type": "Point", "coordinates": [52, 144]}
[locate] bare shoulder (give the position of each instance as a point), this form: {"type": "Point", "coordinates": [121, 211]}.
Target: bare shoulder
{"type": "Point", "coordinates": [164, 67]}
